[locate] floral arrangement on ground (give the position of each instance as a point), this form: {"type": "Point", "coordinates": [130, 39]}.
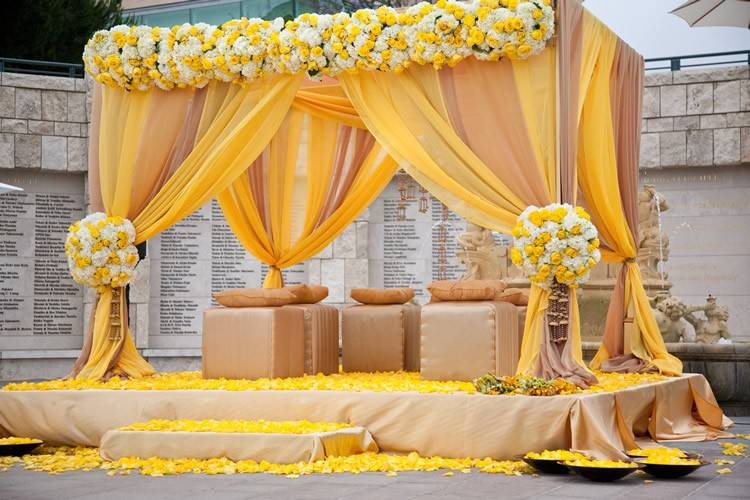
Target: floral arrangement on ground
{"type": "Point", "coordinates": [384, 39]}
{"type": "Point", "coordinates": [101, 252]}
{"type": "Point", "coordinates": [556, 243]}
{"type": "Point", "coordinates": [376, 382]}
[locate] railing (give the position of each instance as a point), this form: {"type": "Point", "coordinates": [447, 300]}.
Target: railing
{"type": "Point", "coordinates": [712, 59]}
{"type": "Point", "coordinates": [51, 68]}
{"type": "Point", "coordinates": [48, 68]}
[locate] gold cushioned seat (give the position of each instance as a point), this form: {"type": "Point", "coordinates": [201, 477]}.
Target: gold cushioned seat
{"type": "Point", "coordinates": [465, 340]}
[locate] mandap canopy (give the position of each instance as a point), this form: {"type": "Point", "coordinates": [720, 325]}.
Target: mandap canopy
{"type": "Point", "coordinates": [490, 105]}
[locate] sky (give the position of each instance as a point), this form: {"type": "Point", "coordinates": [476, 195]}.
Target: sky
{"type": "Point", "coordinates": [647, 26]}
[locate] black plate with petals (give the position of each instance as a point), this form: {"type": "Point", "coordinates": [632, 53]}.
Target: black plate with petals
{"type": "Point", "coordinates": [547, 465]}
{"type": "Point", "coordinates": [671, 471]}
{"type": "Point", "coordinates": [603, 474]}
{"type": "Point", "coordinates": [17, 450]}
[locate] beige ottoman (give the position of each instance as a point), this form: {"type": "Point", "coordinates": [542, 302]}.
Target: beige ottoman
{"type": "Point", "coordinates": [379, 338]}
{"type": "Point", "coordinates": [465, 340]}
{"type": "Point", "coordinates": [253, 342]}
{"type": "Point", "coordinates": [321, 338]}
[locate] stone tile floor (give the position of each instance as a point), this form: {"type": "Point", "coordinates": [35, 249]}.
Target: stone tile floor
{"type": "Point", "coordinates": [706, 483]}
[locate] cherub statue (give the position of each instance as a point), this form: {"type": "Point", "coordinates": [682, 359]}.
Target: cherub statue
{"type": "Point", "coordinates": [479, 253]}
{"type": "Point", "coordinates": [653, 244]}
{"type": "Point", "coordinates": [476, 238]}
{"type": "Point", "coordinates": [714, 328]}
{"type": "Point", "coordinates": [669, 312]}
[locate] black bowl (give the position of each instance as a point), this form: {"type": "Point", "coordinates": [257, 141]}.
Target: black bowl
{"type": "Point", "coordinates": [688, 454]}
{"type": "Point", "coordinates": [547, 465]}
{"type": "Point", "coordinates": [671, 471]}
{"type": "Point", "coordinates": [17, 450]}
{"type": "Point", "coordinates": [603, 474]}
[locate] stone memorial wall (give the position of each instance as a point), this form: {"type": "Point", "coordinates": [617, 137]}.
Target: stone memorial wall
{"type": "Point", "coordinates": [40, 305]}
{"type": "Point", "coordinates": [413, 240]}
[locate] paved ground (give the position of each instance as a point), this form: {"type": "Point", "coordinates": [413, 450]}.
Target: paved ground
{"type": "Point", "coordinates": [21, 484]}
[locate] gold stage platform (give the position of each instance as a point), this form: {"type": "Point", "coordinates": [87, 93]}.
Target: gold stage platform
{"type": "Point", "coordinates": [456, 423]}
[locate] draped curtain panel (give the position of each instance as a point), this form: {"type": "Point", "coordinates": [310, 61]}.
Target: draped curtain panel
{"type": "Point", "coordinates": [481, 138]}
{"type": "Point", "coordinates": [155, 158]}
{"type": "Point", "coordinates": [607, 176]}
{"type": "Point", "coordinates": [294, 200]}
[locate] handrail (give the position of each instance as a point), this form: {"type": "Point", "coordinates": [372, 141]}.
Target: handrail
{"type": "Point", "coordinates": [676, 64]}
{"type": "Point", "coordinates": [52, 68]}
{"type": "Point", "coordinates": [48, 68]}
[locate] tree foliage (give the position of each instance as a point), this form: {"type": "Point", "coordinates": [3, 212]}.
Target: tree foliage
{"type": "Point", "coordinates": [54, 30]}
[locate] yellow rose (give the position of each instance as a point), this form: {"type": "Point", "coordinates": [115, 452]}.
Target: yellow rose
{"type": "Point", "coordinates": [536, 218]}
{"type": "Point", "coordinates": [576, 229]}
{"type": "Point", "coordinates": [515, 256]}
{"type": "Point", "coordinates": [580, 212]}
{"type": "Point", "coordinates": [561, 234]}
{"type": "Point", "coordinates": [595, 242]}
{"type": "Point", "coordinates": [555, 258]}
{"type": "Point", "coordinates": [528, 250]}
{"type": "Point", "coordinates": [538, 251]}
{"type": "Point", "coordinates": [571, 252]}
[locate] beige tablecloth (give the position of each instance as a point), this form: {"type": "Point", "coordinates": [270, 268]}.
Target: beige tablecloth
{"type": "Point", "coordinates": [274, 448]}
{"type": "Point", "coordinates": [450, 425]}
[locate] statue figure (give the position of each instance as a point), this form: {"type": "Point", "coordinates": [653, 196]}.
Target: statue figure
{"type": "Point", "coordinates": [714, 328]}
{"type": "Point", "coordinates": [480, 254]}
{"type": "Point", "coordinates": [653, 246]}
{"type": "Point", "coordinates": [669, 312]}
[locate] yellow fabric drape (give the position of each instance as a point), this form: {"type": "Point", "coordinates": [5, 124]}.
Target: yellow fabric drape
{"type": "Point", "coordinates": [407, 114]}
{"type": "Point", "coordinates": [597, 177]}
{"type": "Point", "coordinates": [272, 241]}
{"type": "Point", "coordinates": [236, 124]}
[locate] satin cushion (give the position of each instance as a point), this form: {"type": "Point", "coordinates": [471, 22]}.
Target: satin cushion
{"type": "Point", "coordinates": [308, 294]}
{"type": "Point", "coordinates": [254, 297]}
{"type": "Point", "coordinates": [515, 296]}
{"type": "Point", "coordinates": [382, 296]}
{"type": "Point", "coordinates": [467, 290]}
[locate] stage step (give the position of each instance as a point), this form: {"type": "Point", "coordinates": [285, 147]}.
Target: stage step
{"type": "Point", "coordinates": [280, 446]}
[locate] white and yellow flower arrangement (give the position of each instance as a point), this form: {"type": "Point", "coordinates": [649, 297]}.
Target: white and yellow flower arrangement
{"type": "Point", "coordinates": [555, 244]}
{"type": "Point", "coordinates": [101, 252]}
{"type": "Point", "coordinates": [383, 39]}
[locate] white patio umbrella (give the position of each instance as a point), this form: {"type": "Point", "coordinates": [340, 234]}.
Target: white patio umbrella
{"type": "Point", "coordinates": [4, 188]}
{"type": "Point", "coordinates": [715, 13]}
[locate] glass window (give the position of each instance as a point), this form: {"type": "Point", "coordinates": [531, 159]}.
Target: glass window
{"type": "Point", "coordinates": [216, 14]}
{"type": "Point", "coordinates": [166, 19]}
{"type": "Point", "coordinates": [268, 9]}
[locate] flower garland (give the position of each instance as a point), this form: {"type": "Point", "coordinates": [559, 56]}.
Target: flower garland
{"type": "Point", "coordinates": [384, 39]}
{"type": "Point", "coordinates": [237, 426]}
{"type": "Point", "coordinates": [555, 244]}
{"type": "Point", "coordinates": [101, 252]}
{"type": "Point", "coordinates": [524, 385]}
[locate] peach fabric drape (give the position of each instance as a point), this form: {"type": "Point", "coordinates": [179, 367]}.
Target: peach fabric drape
{"type": "Point", "coordinates": [289, 205]}
{"type": "Point", "coordinates": [158, 156]}
{"type": "Point", "coordinates": [604, 165]}
{"type": "Point", "coordinates": [486, 160]}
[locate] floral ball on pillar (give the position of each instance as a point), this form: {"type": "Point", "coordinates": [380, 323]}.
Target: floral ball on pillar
{"type": "Point", "coordinates": [101, 251]}
{"type": "Point", "coordinates": [556, 244]}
